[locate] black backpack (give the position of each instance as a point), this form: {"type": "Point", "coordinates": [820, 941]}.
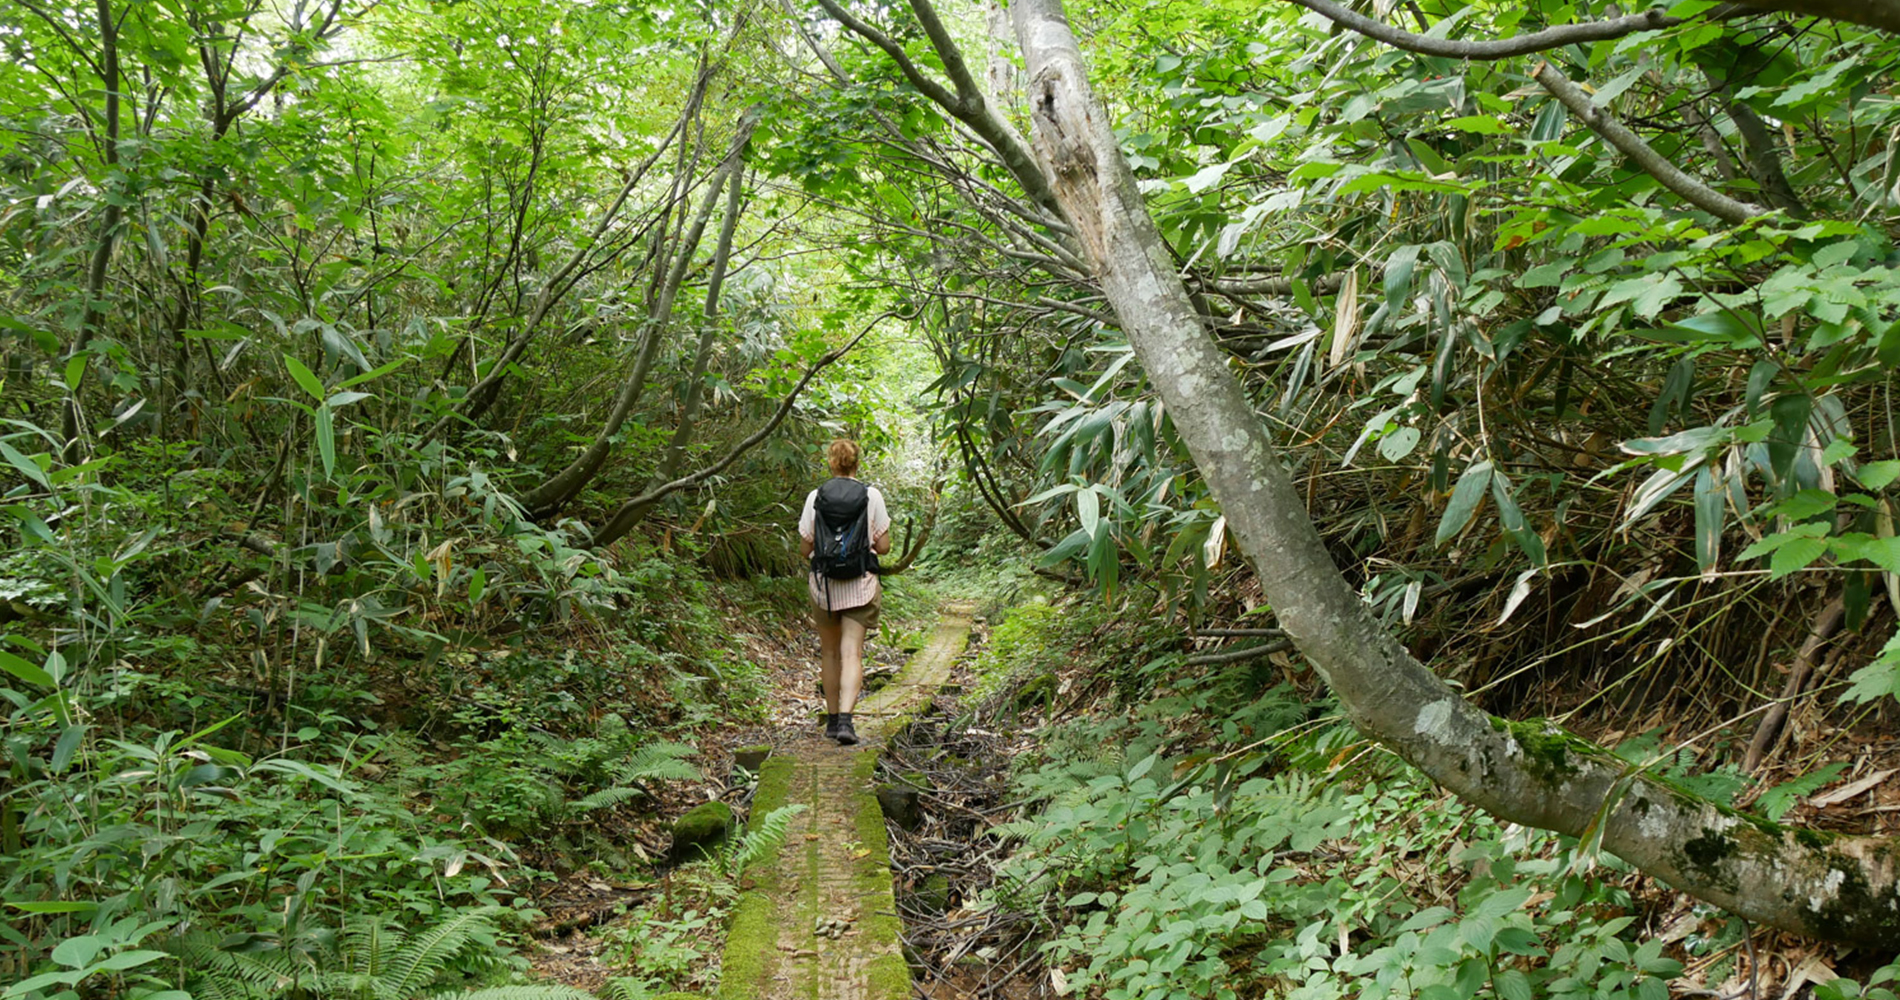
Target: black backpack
{"type": "Point", "coordinates": [841, 531]}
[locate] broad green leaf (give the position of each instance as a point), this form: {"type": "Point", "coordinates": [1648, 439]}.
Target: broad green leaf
{"type": "Point", "coordinates": [25, 671]}
{"type": "Point", "coordinates": [26, 466]}
{"type": "Point", "coordinates": [1876, 475]}
{"type": "Point", "coordinates": [1088, 508]}
{"type": "Point", "coordinates": [1806, 504]}
{"type": "Point", "coordinates": [1399, 443]}
{"type": "Point", "coordinates": [326, 439]}
{"type": "Point", "coordinates": [1711, 515]}
{"type": "Point", "coordinates": [78, 952]}
{"type": "Point", "coordinates": [1797, 554]}
{"type": "Point", "coordinates": [304, 377]}
{"type": "Point", "coordinates": [1465, 499]}
{"type": "Point", "coordinates": [359, 379]}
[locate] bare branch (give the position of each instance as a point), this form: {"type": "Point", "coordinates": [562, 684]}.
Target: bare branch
{"type": "Point", "coordinates": [1632, 145]}
{"type": "Point", "coordinates": [1499, 48]}
{"type": "Point", "coordinates": [1882, 14]}
{"type": "Point", "coordinates": [633, 510]}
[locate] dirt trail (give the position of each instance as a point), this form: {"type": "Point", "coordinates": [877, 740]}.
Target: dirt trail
{"type": "Point", "coordinates": [827, 927]}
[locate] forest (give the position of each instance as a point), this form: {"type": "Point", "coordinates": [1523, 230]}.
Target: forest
{"type": "Point", "coordinates": [1391, 498]}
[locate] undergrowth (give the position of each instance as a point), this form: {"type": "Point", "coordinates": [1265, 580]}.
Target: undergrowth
{"type": "Point", "coordinates": [1215, 833]}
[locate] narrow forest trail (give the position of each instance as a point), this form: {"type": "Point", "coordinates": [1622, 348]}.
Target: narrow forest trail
{"type": "Point", "coordinates": [820, 921]}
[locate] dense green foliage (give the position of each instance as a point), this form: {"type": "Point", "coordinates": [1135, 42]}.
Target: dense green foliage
{"type": "Point", "coordinates": [1208, 833]}
{"type": "Point", "coordinates": [392, 391]}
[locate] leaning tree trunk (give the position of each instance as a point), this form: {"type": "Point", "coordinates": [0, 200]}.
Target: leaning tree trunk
{"type": "Point", "coordinates": [565, 485]}
{"type": "Point", "coordinates": [675, 454]}
{"type": "Point", "coordinates": [1828, 886]}
{"type": "Point", "coordinates": [709, 326]}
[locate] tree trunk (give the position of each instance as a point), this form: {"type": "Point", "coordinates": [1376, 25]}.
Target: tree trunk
{"type": "Point", "coordinates": [483, 393]}
{"type": "Point", "coordinates": [675, 455]}
{"type": "Point", "coordinates": [709, 325]}
{"type": "Point", "coordinates": [101, 262]}
{"type": "Point", "coordinates": [565, 485]}
{"type": "Point", "coordinates": [1834, 887]}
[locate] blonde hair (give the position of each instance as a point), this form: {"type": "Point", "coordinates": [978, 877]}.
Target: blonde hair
{"type": "Point", "coordinates": [842, 454]}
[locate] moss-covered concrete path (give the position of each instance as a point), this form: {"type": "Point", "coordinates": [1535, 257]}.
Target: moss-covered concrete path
{"type": "Point", "coordinates": [818, 921]}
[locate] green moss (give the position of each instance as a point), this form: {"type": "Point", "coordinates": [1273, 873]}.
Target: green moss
{"type": "Point", "coordinates": [1859, 910]}
{"type": "Point", "coordinates": [677, 996]}
{"type": "Point", "coordinates": [1813, 840]}
{"type": "Point", "coordinates": [775, 784]}
{"type": "Point", "coordinates": [699, 830]}
{"type": "Point", "coordinates": [887, 978]}
{"type": "Point", "coordinates": [1548, 750]}
{"type": "Point", "coordinates": [749, 944]}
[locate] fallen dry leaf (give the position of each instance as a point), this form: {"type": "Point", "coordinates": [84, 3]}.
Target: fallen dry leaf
{"type": "Point", "coordinates": [1848, 791]}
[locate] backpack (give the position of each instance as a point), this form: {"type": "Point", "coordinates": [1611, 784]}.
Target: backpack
{"type": "Point", "coordinates": [841, 531]}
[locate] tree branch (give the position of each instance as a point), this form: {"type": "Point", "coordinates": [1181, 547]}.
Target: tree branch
{"type": "Point", "coordinates": [1632, 145]}
{"type": "Point", "coordinates": [1499, 48]}
{"type": "Point", "coordinates": [1882, 14]}
{"type": "Point", "coordinates": [633, 510]}
{"type": "Point", "coordinates": [969, 108]}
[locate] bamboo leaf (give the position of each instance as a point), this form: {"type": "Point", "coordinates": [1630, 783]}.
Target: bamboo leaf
{"type": "Point", "coordinates": [1465, 500]}
{"type": "Point", "coordinates": [304, 377]}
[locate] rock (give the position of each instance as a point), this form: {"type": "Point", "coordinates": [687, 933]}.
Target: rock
{"type": "Point", "coordinates": [749, 760]}
{"type": "Point", "coordinates": [901, 806]}
{"type": "Point", "coordinates": [700, 831]}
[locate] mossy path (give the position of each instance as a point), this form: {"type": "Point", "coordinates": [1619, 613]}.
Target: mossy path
{"type": "Point", "coordinates": [819, 921]}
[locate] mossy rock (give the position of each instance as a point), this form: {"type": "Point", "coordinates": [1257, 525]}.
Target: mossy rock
{"type": "Point", "coordinates": [698, 832]}
{"type": "Point", "coordinates": [750, 759]}
{"type": "Point", "coordinates": [901, 805]}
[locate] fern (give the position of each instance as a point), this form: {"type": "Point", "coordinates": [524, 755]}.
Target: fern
{"type": "Point", "coordinates": [627, 988]}
{"type": "Point", "coordinates": [534, 992]}
{"type": "Point", "coordinates": [657, 762]}
{"type": "Point", "coordinates": [763, 837]}
{"type": "Point", "coordinates": [421, 959]}
{"type": "Point", "coordinates": [606, 798]}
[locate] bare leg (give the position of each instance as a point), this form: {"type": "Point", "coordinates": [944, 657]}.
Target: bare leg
{"type": "Point", "coordinates": [830, 636]}
{"type": "Point", "coordinates": [851, 667]}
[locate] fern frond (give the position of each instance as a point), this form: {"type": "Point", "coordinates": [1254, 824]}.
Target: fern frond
{"type": "Point", "coordinates": [627, 988]}
{"type": "Point", "coordinates": [657, 762]}
{"type": "Point", "coordinates": [421, 958]}
{"type": "Point", "coordinates": [534, 992]}
{"type": "Point", "coordinates": [606, 798]}
{"type": "Point", "coordinates": [764, 835]}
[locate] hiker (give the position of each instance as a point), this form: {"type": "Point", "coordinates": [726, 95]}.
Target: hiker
{"type": "Point", "coordinates": [845, 527]}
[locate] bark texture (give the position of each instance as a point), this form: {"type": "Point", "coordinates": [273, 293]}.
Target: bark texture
{"type": "Point", "coordinates": [1842, 888]}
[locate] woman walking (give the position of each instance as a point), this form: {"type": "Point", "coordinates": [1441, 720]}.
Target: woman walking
{"type": "Point", "coordinates": [845, 527]}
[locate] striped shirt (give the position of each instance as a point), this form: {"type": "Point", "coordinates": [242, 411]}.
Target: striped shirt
{"type": "Point", "coordinates": [845, 593]}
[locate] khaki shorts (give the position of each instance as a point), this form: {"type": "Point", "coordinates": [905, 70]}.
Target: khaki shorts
{"type": "Point", "coordinates": [863, 614]}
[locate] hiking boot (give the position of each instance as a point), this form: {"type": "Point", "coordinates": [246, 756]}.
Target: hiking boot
{"type": "Point", "coordinates": [846, 736]}
{"type": "Point", "coordinates": [831, 726]}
